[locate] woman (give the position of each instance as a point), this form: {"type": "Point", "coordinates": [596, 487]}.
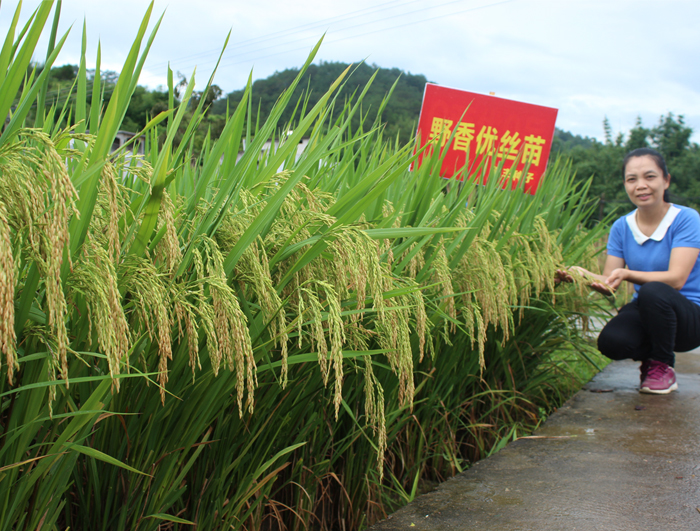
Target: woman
{"type": "Point", "coordinates": [659, 243]}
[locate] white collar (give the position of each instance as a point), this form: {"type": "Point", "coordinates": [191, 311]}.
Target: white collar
{"type": "Point", "coordinates": [660, 231]}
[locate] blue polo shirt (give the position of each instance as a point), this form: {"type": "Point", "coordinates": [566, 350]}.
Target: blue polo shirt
{"type": "Point", "coordinates": [679, 228]}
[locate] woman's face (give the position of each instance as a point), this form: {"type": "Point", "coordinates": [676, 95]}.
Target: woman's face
{"type": "Point", "coordinates": [644, 182]}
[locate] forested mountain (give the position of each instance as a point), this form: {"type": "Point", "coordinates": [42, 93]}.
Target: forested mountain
{"type": "Point", "coordinates": [401, 112]}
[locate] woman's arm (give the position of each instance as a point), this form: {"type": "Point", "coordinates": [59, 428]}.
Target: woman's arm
{"type": "Point", "coordinates": [679, 267]}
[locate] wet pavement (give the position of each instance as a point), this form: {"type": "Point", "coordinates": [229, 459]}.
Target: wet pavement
{"type": "Point", "coordinates": [609, 459]}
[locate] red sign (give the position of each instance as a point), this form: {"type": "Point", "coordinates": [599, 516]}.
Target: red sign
{"type": "Point", "coordinates": [488, 130]}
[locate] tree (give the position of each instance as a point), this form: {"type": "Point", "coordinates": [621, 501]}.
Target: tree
{"type": "Point", "coordinates": [145, 104]}
{"type": "Point", "coordinates": [638, 136]}
{"type": "Point", "coordinates": [671, 137]}
{"type": "Point", "coordinates": [64, 73]}
{"type": "Point", "coordinates": [603, 161]}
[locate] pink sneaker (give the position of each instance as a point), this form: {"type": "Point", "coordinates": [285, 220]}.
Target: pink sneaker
{"type": "Point", "coordinates": [643, 370]}
{"type": "Point", "coordinates": [660, 379]}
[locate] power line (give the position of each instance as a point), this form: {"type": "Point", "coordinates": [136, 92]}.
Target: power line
{"type": "Point", "coordinates": [250, 56]}
{"type": "Point", "coordinates": [298, 29]}
{"type": "Point", "coordinates": [412, 23]}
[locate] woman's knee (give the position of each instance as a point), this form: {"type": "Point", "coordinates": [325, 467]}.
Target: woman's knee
{"type": "Point", "coordinates": [652, 292]}
{"type": "Point", "coordinates": [613, 344]}
{"type": "Point", "coordinates": [623, 336]}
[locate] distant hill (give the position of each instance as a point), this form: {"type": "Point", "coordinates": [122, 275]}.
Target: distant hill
{"type": "Point", "coordinates": [400, 115]}
{"type": "Point", "coordinates": [564, 141]}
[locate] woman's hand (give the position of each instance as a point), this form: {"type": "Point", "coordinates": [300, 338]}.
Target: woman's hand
{"type": "Point", "coordinates": [562, 275]}
{"type": "Point", "coordinates": [616, 277]}
{"type": "Point", "coordinates": [603, 288]}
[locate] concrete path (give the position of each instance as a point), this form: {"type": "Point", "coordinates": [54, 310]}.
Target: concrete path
{"type": "Point", "coordinates": [609, 459]}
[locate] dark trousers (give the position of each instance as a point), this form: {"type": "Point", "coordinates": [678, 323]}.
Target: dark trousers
{"type": "Point", "coordinates": [654, 325]}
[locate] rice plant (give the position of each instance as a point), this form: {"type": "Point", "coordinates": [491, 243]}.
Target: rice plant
{"type": "Point", "coordinates": [270, 341]}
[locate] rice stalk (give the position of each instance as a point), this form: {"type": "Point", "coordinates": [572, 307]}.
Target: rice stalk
{"type": "Point", "coordinates": [95, 278]}
{"type": "Point", "coordinates": [254, 270]}
{"type": "Point", "coordinates": [230, 326]}
{"type": "Point", "coordinates": [145, 289]}
{"type": "Point", "coordinates": [39, 199]}
{"type": "Point", "coordinates": [7, 297]}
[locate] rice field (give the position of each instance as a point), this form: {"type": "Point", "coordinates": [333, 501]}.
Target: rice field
{"type": "Point", "coordinates": [267, 341]}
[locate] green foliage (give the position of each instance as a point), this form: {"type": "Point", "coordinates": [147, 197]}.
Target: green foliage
{"type": "Point", "coordinates": [565, 141]}
{"type": "Point", "coordinates": [145, 104]}
{"type": "Point", "coordinates": [264, 341]}
{"type": "Point", "coordinates": [61, 91]}
{"type": "Point", "coordinates": [603, 161]}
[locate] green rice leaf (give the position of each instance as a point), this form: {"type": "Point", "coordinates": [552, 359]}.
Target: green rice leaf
{"type": "Point", "coordinates": [96, 454]}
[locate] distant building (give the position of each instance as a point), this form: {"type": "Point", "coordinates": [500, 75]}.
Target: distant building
{"type": "Point", "coordinates": [123, 137]}
{"type": "Point", "coordinates": [266, 147]}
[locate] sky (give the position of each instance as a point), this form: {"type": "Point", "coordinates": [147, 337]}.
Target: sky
{"type": "Point", "coordinates": [590, 59]}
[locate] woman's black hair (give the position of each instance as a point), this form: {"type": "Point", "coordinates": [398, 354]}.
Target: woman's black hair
{"type": "Point", "coordinates": [658, 159]}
